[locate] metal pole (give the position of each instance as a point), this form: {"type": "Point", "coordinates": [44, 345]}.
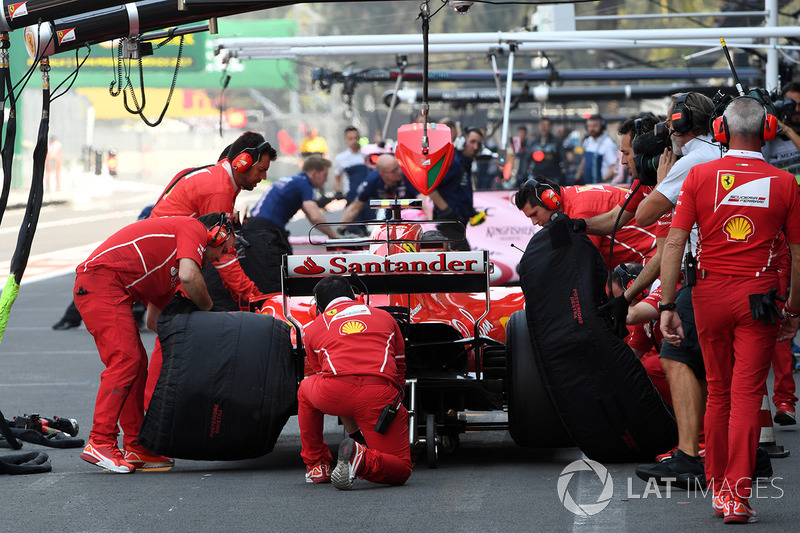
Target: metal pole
{"type": "Point", "coordinates": [772, 52]}
{"type": "Point", "coordinates": [389, 114]}
{"type": "Point", "coordinates": [507, 105]}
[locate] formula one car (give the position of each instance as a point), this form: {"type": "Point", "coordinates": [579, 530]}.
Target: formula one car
{"type": "Point", "coordinates": [467, 344]}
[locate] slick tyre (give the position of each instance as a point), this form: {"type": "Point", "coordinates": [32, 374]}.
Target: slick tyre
{"type": "Point", "coordinates": [532, 420]}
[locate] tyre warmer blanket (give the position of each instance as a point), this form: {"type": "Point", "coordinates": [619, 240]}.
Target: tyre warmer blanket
{"type": "Point", "coordinates": [226, 389]}
{"type": "Point", "coordinates": [602, 392]}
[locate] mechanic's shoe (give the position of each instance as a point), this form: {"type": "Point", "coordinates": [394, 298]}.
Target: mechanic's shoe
{"type": "Point", "coordinates": [351, 454]}
{"type": "Point", "coordinates": [763, 467]}
{"type": "Point", "coordinates": [319, 473]}
{"type": "Point", "coordinates": [701, 453]}
{"type": "Point", "coordinates": [64, 323]}
{"type": "Point", "coordinates": [141, 458]}
{"type": "Point", "coordinates": [108, 457]}
{"type": "Point", "coordinates": [738, 511]}
{"type": "Point", "coordinates": [784, 414]}
{"type": "Point", "coordinates": [686, 471]}
{"type": "Point", "coordinates": [719, 503]}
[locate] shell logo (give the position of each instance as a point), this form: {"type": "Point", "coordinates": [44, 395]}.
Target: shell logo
{"type": "Point", "coordinates": [727, 181]}
{"type": "Point", "coordinates": [738, 228]}
{"type": "Point", "coordinates": [352, 326]}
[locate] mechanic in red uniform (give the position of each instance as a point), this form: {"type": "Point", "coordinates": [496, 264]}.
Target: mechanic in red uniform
{"type": "Point", "coordinates": [195, 192]}
{"type": "Point", "coordinates": [632, 244]}
{"type": "Point", "coordinates": [740, 205]}
{"type": "Point", "coordinates": [358, 354]}
{"type": "Point", "coordinates": [141, 262]}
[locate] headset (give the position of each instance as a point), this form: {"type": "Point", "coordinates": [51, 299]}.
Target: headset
{"type": "Point", "coordinates": [602, 122]}
{"type": "Point", "coordinates": [625, 273]}
{"type": "Point", "coordinates": [218, 235]}
{"type": "Point", "coordinates": [248, 157]}
{"type": "Point", "coordinates": [768, 131]}
{"type": "Point", "coordinates": [350, 294]}
{"type": "Point", "coordinates": [549, 197]}
{"type": "Point", "coordinates": [681, 116]}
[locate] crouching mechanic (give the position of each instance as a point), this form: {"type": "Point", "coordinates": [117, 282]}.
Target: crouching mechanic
{"type": "Point", "coordinates": [141, 262]}
{"type": "Point", "coordinates": [358, 354]}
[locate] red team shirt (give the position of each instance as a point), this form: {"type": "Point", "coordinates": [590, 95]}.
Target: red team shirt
{"type": "Point", "coordinates": [730, 209]}
{"type": "Point", "coordinates": [145, 255]}
{"type": "Point", "coordinates": [351, 338]}
{"type": "Point", "coordinates": [636, 196]}
{"type": "Point", "coordinates": [647, 335]}
{"type": "Point", "coordinates": [632, 244]}
{"type": "Point", "coordinates": [209, 190]}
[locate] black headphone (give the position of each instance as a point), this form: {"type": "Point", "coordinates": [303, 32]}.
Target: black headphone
{"type": "Point", "coordinates": [682, 115]}
{"type": "Point", "coordinates": [350, 294]}
{"type": "Point", "coordinates": [602, 121]}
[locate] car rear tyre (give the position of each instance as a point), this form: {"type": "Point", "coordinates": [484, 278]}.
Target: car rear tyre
{"type": "Point", "coordinates": [532, 420]}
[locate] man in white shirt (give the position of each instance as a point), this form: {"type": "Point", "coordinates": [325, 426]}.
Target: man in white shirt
{"type": "Point", "coordinates": [599, 154]}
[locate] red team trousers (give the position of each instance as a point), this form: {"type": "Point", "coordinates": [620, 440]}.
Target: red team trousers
{"type": "Point", "coordinates": [388, 456]}
{"type": "Point", "coordinates": [737, 351]}
{"type": "Point", "coordinates": [106, 311]}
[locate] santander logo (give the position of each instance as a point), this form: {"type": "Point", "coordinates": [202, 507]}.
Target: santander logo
{"type": "Point", "coordinates": [405, 263]}
{"type": "Point", "coordinates": [309, 268]}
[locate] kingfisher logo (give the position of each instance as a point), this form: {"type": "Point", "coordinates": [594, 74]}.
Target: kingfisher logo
{"type": "Point", "coordinates": [308, 268]}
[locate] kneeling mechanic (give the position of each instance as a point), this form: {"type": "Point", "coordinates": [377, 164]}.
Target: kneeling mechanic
{"type": "Point", "coordinates": [358, 354]}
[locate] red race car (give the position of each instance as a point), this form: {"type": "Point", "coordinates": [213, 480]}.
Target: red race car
{"type": "Point", "coordinates": [457, 328]}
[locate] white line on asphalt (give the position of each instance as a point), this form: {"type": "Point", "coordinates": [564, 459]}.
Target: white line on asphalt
{"type": "Point", "coordinates": [128, 215]}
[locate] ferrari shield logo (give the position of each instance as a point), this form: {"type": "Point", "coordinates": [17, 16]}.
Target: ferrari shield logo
{"type": "Point", "coordinates": [727, 181]}
{"type": "Point", "coordinates": [17, 10]}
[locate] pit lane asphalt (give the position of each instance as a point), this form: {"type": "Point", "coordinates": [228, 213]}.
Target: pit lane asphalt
{"type": "Point", "coordinates": [488, 484]}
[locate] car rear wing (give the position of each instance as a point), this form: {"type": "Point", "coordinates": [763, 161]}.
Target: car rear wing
{"type": "Point", "coordinates": [404, 273]}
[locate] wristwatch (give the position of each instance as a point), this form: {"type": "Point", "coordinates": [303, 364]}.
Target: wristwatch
{"type": "Point", "coordinates": [666, 307]}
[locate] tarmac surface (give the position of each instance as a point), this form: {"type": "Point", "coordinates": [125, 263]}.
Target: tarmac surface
{"type": "Point", "coordinates": [486, 484]}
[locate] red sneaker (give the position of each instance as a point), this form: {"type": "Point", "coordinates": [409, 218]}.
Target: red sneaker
{"type": "Point", "coordinates": [107, 456]}
{"type": "Point", "coordinates": [784, 414]}
{"type": "Point", "coordinates": [141, 458]}
{"type": "Point", "coordinates": [719, 503]}
{"type": "Point", "coordinates": [351, 456]}
{"type": "Point", "coordinates": [319, 473]}
{"type": "Point", "coordinates": [738, 511]}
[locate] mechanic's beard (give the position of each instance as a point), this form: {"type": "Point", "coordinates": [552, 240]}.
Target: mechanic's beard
{"type": "Point", "coordinates": [677, 147]}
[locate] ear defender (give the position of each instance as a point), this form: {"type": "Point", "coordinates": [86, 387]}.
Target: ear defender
{"type": "Point", "coordinates": [248, 157]}
{"type": "Point", "coordinates": [681, 116]}
{"type": "Point", "coordinates": [218, 235]}
{"type": "Point", "coordinates": [769, 128]}
{"type": "Point", "coordinates": [551, 199]}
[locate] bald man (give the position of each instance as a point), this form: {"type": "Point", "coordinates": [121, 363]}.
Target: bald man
{"type": "Point", "coordinates": [386, 181]}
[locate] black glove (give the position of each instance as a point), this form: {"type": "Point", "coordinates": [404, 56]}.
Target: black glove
{"type": "Point", "coordinates": [763, 306]}
{"type": "Point", "coordinates": [447, 214]}
{"type": "Point", "coordinates": [617, 309]}
{"type": "Point", "coordinates": [579, 225]}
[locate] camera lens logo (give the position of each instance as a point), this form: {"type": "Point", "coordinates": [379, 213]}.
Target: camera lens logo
{"type": "Point", "coordinates": [586, 509]}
